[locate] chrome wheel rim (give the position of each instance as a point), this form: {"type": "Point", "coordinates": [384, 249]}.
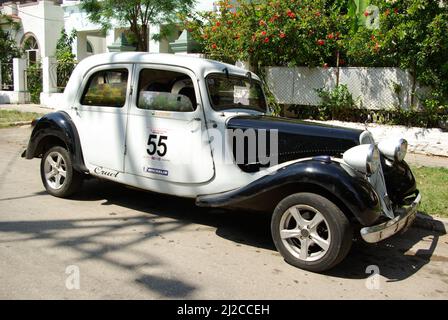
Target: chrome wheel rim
{"type": "Point", "coordinates": [305, 232]}
{"type": "Point", "coordinates": [55, 170]}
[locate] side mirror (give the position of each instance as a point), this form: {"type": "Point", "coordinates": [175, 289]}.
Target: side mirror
{"type": "Point", "coordinates": [166, 101]}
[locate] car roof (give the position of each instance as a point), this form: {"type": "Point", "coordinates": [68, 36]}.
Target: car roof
{"type": "Point", "coordinates": [199, 66]}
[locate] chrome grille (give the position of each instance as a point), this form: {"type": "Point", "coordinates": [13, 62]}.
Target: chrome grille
{"type": "Point", "coordinates": [379, 184]}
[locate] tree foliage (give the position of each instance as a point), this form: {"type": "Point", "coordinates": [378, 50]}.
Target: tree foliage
{"type": "Point", "coordinates": [138, 15]}
{"type": "Point", "coordinates": [411, 34]}
{"type": "Point", "coordinates": [65, 58]}
{"type": "Point", "coordinates": [8, 46]}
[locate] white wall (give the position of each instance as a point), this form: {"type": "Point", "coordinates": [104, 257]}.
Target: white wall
{"type": "Point", "coordinates": [374, 88]}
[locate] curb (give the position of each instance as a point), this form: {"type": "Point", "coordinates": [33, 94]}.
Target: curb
{"type": "Point", "coordinates": [429, 223]}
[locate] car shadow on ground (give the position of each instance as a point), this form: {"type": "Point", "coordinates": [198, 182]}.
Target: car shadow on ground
{"type": "Point", "coordinates": [394, 257]}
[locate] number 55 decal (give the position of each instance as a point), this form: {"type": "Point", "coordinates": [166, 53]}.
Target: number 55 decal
{"type": "Point", "coordinates": [161, 148]}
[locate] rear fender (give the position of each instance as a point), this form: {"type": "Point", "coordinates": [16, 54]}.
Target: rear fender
{"type": "Point", "coordinates": [52, 127]}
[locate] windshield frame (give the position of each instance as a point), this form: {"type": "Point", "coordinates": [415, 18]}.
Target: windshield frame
{"type": "Point", "coordinates": [235, 106]}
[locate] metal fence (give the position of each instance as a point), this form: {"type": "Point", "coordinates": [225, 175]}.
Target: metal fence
{"type": "Point", "coordinates": [6, 77]}
{"type": "Point", "coordinates": [372, 88]}
{"type": "Point", "coordinates": [62, 71]}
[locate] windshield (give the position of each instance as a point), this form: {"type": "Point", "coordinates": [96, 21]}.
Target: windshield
{"type": "Point", "coordinates": [235, 92]}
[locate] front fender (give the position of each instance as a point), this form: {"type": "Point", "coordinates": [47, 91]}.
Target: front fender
{"type": "Point", "coordinates": [56, 125]}
{"type": "Point", "coordinates": [353, 193]}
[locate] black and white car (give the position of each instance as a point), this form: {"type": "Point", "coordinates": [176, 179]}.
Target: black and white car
{"type": "Point", "coordinates": [200, 129]}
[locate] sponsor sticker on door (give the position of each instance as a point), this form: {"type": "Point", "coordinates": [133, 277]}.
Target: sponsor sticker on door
{"type": "Point", "coordinates": [161, 172]}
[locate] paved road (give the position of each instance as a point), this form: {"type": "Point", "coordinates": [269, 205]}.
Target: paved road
{"type": "Point", "coordinates": [131, 244]}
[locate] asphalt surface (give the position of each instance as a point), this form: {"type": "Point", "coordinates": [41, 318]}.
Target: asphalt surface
{"type": "Point", "coordinates": [132, 244]}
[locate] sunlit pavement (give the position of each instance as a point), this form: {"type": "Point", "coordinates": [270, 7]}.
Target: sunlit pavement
{"type": "Point", "coordinates": [125, 243]}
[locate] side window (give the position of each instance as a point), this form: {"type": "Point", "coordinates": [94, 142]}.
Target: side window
{"type": "Point", "coordinates": [106, 88]}
{"type": "Point", "coordinates": [165, 90]}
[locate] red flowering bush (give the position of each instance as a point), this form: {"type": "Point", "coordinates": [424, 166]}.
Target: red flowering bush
{"type": "Point", "coordinates": [301, 32]}
{"type": "Point", "coordinates": [412, 34]}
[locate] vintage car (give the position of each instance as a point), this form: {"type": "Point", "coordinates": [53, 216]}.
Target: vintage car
{"type": "Point", "coordinates": [201, 129]}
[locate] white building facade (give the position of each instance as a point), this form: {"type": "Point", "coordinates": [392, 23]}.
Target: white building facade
{"type": "Point", "coordinates": [41, 23]}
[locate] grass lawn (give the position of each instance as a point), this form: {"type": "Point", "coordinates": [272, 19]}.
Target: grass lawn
{"type": "Point", "coordinates": [10, 116]}
{"type": "Point", "coordinates": [433, 185]}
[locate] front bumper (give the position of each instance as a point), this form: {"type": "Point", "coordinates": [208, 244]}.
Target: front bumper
{"type": "Point", "coordinates": [405, 217]}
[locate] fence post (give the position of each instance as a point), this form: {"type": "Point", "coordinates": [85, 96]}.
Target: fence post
{"type": "Point", "coordinates": [19, 66]}
{"type": "Point", "coordinates": [1, 82]}
{"type": "Point", "coordinates": [49, 75]}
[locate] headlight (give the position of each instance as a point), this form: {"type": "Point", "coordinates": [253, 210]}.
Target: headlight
{"type": "Point", "coordinates": [364, 158]}
{"type": "Point", "coordinates": [394, 149]}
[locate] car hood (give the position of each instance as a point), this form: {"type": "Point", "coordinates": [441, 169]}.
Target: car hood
{"type": "Point", "coordinates": [300, 139]}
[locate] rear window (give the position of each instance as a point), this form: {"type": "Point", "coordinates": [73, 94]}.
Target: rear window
{"type": "Point", "coordinates": [106, 88]}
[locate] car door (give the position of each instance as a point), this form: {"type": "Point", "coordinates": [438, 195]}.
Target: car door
{"type": "Point", "coordinates": [100, 115]}
{"type": "Point", "coordinates": [166, 137]}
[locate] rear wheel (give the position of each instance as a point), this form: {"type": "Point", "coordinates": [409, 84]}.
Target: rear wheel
{"type": "Point", "coordinates": [311, 232]}
{"type": "Point", "coordinates": [57, 173]}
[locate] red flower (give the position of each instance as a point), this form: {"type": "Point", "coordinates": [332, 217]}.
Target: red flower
{"type": "Point", "coordinates": [366, 13]}
{"type": "Point", "coordinates": [317, 14]}
{"type": "Point", "coordinates": [262, 23]}
{"type": "Point", "coordinates": [218, 24]}
{"type": "Point", "coordinates": [396, 10]}
{"type": "Point", "coordinates": [320, 42]}
{"type": "Point", "coordinates": [263, 33]}
{"type": "Point", "coordinates": [291, 14]}
{"type": "Point", "coordinates": [214, 46]}
{"type": "Point", "coordinates": [387, 12]}
{"type": "Point", "coordinates": [205, 36]}
{"type": "Point", "coordinates": [214, 28]}
{"type": "Point", "coordinates": [372, 37]}
{"type": "Point", "coordinates": [330, 36]}
{"type": "Point", "coordinates": [266, 40]}
{"type": "Point", "coordinates": [282, 35]}
{"type": "Point", "coordinates": [229, 22]}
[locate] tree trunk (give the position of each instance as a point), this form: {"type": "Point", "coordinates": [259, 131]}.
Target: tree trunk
{"type": "Point", "coordinates": [144, 38]}
{"type": "Point", "coordinates": [140, 34]}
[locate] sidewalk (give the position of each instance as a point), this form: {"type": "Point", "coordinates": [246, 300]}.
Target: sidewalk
{"type": "Point", "coordinates": [418, 159]}
{"type": "Point", "coordinates": [26, 108]}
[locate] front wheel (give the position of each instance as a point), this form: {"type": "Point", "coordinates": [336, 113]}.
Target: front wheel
{"type": "Point", "coordinates": [57, 173]}
{"type": "Point", "coordinates": [311, 232]}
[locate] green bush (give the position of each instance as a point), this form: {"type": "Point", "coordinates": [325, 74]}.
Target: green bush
{"type": "Point", "coordinates": [65, 58]}
{"type": "Point", "coordinates": [337, 102]}
{"type": "Point", "coordinates": [411, 118]}
{"type": "Point", "coordinates": [34, 81]}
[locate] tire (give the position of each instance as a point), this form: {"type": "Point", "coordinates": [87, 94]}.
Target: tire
{"type": "Point", "coordinates": [56, 163]}
{"type": "Point", "coordinates": [328, 241]}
